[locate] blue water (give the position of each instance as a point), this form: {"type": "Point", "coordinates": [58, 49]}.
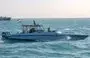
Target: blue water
{"type": "Point", "coordinates": [53, 49]}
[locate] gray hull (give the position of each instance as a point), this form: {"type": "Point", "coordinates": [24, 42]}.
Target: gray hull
{"type": "Point", "coordinates": [44, 37]}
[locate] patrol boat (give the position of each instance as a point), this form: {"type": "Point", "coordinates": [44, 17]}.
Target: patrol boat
{"type": "Point", "coordinates": [36, 32]}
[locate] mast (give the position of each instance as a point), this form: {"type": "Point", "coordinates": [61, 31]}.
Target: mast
{"type": "Point", "coordinates": [34, 22]}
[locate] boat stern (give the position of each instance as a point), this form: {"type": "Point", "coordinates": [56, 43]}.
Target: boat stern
{"type": "Point", "coordinates": [5, 34]}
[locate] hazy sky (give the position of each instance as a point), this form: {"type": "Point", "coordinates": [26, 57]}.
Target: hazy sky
{"type": "Point", "coordinates": [45, 8]}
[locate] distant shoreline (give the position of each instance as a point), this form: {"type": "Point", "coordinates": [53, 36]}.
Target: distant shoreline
{"type": "Point", "coordinates": [50, 18]}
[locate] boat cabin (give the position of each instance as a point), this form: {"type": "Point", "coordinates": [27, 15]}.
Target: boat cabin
{"type": "Point", "coordinates": [32, 28]}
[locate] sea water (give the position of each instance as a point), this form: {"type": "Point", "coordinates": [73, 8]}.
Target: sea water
{"type": "Point", "coordinates": [53, 49]}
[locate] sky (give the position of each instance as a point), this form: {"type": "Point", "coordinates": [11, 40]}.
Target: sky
{"type": "Point", "coordinates": [45, 8]}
